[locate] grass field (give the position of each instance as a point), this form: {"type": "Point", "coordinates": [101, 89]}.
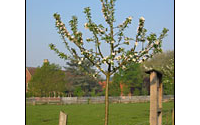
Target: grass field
{"type": "Point", "coordinates": [93, 114]}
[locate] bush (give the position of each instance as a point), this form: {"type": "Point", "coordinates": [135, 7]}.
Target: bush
{"type": "Point", "coordinates": [29, 94]}
{"type": "Point", "coordinates": [144, 91]}
{"type": "Point", "coordinates": [78, 92]}
{"type": "Point", "coordinates": [136, 92]}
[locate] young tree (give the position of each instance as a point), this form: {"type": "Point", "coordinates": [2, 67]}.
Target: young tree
{"type": "Point", "coordinates": [114, 36]}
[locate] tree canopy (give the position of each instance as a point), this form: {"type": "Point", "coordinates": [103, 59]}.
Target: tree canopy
{"type": "Point", "coordinates": [80, 79]}
{"type": "Point", "coordinates": [131, 79]}
{"type": "Point", "coordinates": [47, 80]}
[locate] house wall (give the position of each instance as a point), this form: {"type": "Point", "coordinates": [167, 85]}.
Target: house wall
{"type": "Point", "coordinates": [28, 78]}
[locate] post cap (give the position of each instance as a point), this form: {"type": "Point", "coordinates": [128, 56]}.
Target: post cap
{"type": "Point", "coordinates": [153, 70]}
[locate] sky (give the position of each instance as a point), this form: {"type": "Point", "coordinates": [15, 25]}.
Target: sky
{"type": "Point", "coordinates": [41, 31]}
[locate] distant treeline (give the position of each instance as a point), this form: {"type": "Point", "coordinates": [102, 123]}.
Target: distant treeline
{"type": "Point", "coordinates": [50, 81]}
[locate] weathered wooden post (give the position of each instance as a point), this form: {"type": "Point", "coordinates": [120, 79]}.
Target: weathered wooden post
{"type": "Point", "coordinates": [62, 118]}
{"type": "Point", "coordinates": [34, 101]}
{"type": "Point", "coordinates": [172, 116]}
{"type": "Point", "coordinates": [155, 97]}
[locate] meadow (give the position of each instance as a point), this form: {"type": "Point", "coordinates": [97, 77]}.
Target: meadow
{"type": "Point", "coordinates": [93, 114]}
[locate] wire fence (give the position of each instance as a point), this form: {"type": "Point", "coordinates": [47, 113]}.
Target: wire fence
{"type": "Point", "coordinates": [166, 119]}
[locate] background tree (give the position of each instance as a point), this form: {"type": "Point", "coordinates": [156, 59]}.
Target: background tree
{"type": "Point", "coordinates": [114, 89]}
{"type": "Point", "coordinates": [69, 84]}
{"type": "Point", "coordinates": [79, 78]}
{"type": "Point", "coordinates": [79, 92]}
{"type": "Point", "coordinates": [145, 84]}
{"type": "Point", "coordinates": [114, 36]}
{"type": "Point", "coordinates": [47, 80]}
{"type": "Point", "coordinates": [163, 62]}
{"type": "Point", "coordinates": [131, 79]}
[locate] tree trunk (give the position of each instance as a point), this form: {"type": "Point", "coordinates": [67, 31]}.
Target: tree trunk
{"type": "Point", "coordinates": [107, 100]}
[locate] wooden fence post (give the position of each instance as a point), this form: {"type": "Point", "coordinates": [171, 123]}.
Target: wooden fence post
{"type": "Point", "coordinates": [62, 118]}
{"type": "Point", "coordinates": [160, 97]}
{"type": "Point", "coordinates": [155, 117]}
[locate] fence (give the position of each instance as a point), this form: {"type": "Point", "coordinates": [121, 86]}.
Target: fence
{"type": "Point", "coordinates": [92, 100]}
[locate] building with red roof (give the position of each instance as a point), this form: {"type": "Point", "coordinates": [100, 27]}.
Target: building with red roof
{"type": "Point", "coordinates": [29, 73]}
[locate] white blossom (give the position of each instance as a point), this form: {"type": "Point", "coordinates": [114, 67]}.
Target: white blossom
{"type": "Point", "coordinates": [123, 67]}
{"type": "Point", "coordinates": [147, 68]}
{"type": "Point", "coordinates": [133, 60]}
{"type": "Point", "coordinates": [142, 18]}
{"type": "Point", "coordinates": [126, 58]}
{"type": "Point", "coordinates": [68, 34]}
{"type": "Point", "coordinates": [94, 75]}
{"type": "Point", "coordinates": [137, 29]}
{"type": "Point", "coordinates": [79, 62]}
{"type": "Point", "coordinates": [144, 58]}
{"type": "Point", "coordinates": [86, 26]}
{"type": "Point", "coordinates": [140, 61]}
{"type": "Point", "coordinates": [126, 42]}
{"type": "Point", "coordinates": [113, 53]}
{"type": "Point", "coordinates": [101, 31]}
{"type": "Point", "coordinates": [113, 41]}
{"type": "Point", "coordinates": [111, 61]}
{"type": "Point", "coordinates": [118, 58]}
{"type": "Point", "coordinates": [143, 51]}
{"type": "Point", "coordinates": [130, 56]}
{"type": "Point", "coordinates": [98, 63]}
{"type": "Point", "coordinates": [130, 18]}
{"type": "Point", "coordinates": [101, 69]}
{"type": "Point", "coordinates": [157, 42]}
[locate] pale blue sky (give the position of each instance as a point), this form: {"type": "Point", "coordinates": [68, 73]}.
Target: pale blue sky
{"type": "Point", "coordinates": [41, 31]}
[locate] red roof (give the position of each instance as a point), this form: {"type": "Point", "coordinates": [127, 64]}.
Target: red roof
{"type": "Point", "coordinates": [103, 84]}
{"type": "Point", "coordinates": [31, 70]}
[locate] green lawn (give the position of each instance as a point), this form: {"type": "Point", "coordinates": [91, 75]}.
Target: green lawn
{"type": "Point", "coordinates": [93, 114]}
